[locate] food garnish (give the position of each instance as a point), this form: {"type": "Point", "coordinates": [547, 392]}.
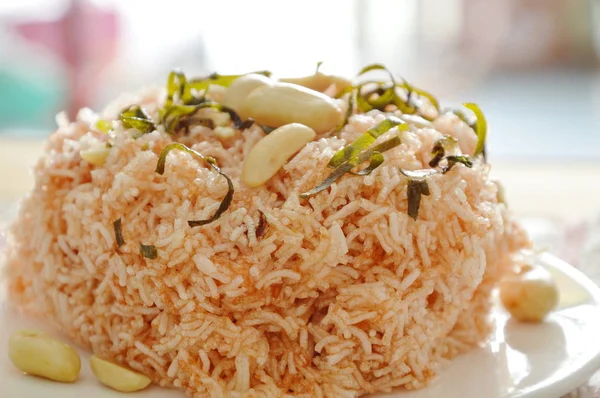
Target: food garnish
{"type": "Point", "coordinates": [118, 232]}
{"type": "Point", "coordinates": [160, 169]}
{"type": "Point", "coordinates": [148, 251]}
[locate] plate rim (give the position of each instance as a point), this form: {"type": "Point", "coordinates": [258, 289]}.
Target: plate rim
{"type": "Point", "coordinates": [577, 377]}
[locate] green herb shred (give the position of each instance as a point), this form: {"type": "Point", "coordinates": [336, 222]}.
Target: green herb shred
{"type": "Point", "coordinates": [452, 160]}
{"type": "Point", "coordinates": [225, 203]}
{"type": "Point", "coordinates": [443, 146]}
{"type": "Point", "coordinates": [148, 251]}
{"type": "Point", "coordinates": [118, 232]}
{"type": "Point", "coordinates": [417, 186]}
{"type": "Point", "coordinates": [177, 85]}
{"type": "Point", "coordinates": [135, 117]}
{"type": "Point", "coordinates": [480, 127]}
{"type": "Point", "coordinates": [361, 143]}
{"type": "Point", "coordinates": [385, 93]}
{"type": "Point", "coordinates": [359, 152]}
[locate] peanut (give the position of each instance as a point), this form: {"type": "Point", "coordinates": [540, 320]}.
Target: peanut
{"type": "Point", "coordinates": [270, 153]}
{"type": "Point", "coordinates": [241, 87]}
{"type": "Point", "coordinates": [38, 354]}
{"type": "Point", "coordinates": [529, 295]}
{"type": "Point", "coordinates": [117, 377]}
{"type": "Point", "coordinates": [319, 82]}
{"type": "Point", "coordinates": [285, 103]}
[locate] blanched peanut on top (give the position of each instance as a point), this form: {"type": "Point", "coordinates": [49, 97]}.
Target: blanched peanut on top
{"type": "Point", "coordinates": [270, 153]}
{"type": "Point", "coordinates": [319, 81]}
{"type": "Point", "coordinates": [96, 155]}
{"type": "Point", "coordinates": [285, 103]}
{"type": "Point", "coordinates": [242, 87]}
{"type": "Point", "coordinates": [529, 294]}
{"type": "Point", "coordinates": [117, 377]}
{"type": "Point", "coordinates": [38, 354]}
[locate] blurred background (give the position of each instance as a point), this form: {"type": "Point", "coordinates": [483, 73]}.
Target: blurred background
{"type": "Point", "coordinates": [521, 59]}
{"type": "Point", "coordinates": [532, 65]}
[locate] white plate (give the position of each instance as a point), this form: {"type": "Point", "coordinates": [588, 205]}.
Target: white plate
{"type": "Point", "coordinates": [521, 360]}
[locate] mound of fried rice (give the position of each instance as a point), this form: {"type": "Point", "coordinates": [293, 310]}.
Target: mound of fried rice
{"type": "Point", "coordinates": [342, 294]}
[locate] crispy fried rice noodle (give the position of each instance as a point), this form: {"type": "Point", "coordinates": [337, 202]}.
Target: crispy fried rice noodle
{"type": "Point", "coordinates": [344, 294]}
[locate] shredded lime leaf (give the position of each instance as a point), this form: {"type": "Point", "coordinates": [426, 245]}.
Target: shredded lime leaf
{"type": "Point", "coordinates": [443, 146]}
{"type": "Point", "coordinates": [225, 203]}
{"type": "Point", "coordinates": [177, 84]}
{"type": "Point", "coordinates": [362, 142]}
{"type": "Point", "coordinates": [452, 160]}
{"type": "Point", "coordinates": [318, 67]}
{"type": "Point", "coordinates": [385, 94]}
{"type": "Point", "coordinates": [118, 232]}
{"type": "Point", "coordinates": [330, 179]}
{"type": "Point", "coordinates": [178, 116]}
{"type": "Point", "coordinates": [373, 67]}
{"type": "Point", "coordinates": [347, 166]}
{"type": "Point", "coordinates": [148, 251]}
{"type": "Point", "coordinates": [135, 117]}
{"type": "Point", "coordinates": [422, 93]}
{"type": "Point", "coordinates": [375, 161]}
{"type": "Point", "coordinates": [238, 123]}
{"type": "Point", "coordinates": [185, 123]}
{"type": "Point", "coordinates": [414, 190]}
{"type": "Point", "coordinates": [416, 187]}
{"type": "Point", "coordinates": [480, 127]}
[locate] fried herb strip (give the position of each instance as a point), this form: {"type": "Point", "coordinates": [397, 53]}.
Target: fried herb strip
{"type": "Point", "coordinates": [173, 115]}
{"type": "Point", "coordinates": [177, 84]}
{"type": "Point", "coordinates": [148, 251]}
{"type": "Point", "coordinates": [416, 187]}
{"type": "Point", "coordinates": [422, 93]}
{"type": "Point", "coordinates": [438, 151]}
{"type": "Point", "coordinates": [238, 123]}
{"type": "Point", "coordinates": [118, 232]}
{"type": "Point", "coordinates": [414, 190]}
{"type": "Point", "coordinates": [186, 123]}
{"type": "Point", "coordinates": [176, 116]}
{"type": "Point", "coordinates": [375, 161]}
{"type": "Point", "coordinates": [135, 117]}
{"type": "Point", "coordinates": [480, 127]}
{"type": "Point", "coordinates": [262, 226]}
{"type": "Point", "coordinates": [363, 142]}
{"type": "Point", "coordinates": [452, 160]}
{"type": "Point", "coordinates": [441, 147]}
{"type": "Point", "coordinates": [225, 203]}
{"type": "Point", "coordinates": [387, 95]}
{"type": "Point", "coordinates": [345, 167]}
